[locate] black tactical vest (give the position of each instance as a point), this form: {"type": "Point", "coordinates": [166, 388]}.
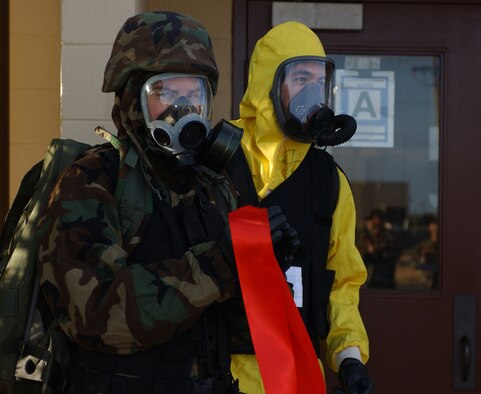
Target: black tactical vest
{"type": "Point", "coordinates": [308, 199]}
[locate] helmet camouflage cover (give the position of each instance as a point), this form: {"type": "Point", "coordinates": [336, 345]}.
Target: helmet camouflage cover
{"type": "Point", "coordinates": [160, 42]}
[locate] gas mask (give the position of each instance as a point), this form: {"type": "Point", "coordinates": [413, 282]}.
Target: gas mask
{"type": "Point", "coordinates": [177, 109]}
{"type": "Point", "coordinates": [302, 98]}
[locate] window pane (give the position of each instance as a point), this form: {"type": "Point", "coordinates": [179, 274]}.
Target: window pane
{"type": "Point", "coordinates": [392, 163]}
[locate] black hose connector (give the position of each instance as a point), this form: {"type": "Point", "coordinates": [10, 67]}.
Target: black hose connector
{"type": "Point", "coordinates": [344, 127]}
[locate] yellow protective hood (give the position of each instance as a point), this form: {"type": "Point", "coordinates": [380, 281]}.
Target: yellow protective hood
{"type": "Point", "coordinates": [272, 157]}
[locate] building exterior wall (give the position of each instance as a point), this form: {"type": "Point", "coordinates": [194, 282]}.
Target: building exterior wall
{"type": "Point", "coordinates": [89, 28]}
{"type": "Point", "coordinates": [34, 63]}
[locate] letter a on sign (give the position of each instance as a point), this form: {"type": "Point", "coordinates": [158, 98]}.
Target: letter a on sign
{"type": "Point", "coordinates": [364, 104]}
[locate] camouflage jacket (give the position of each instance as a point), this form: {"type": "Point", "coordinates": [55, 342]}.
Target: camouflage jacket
{"type": "Point", "coordinates": [105, 295]}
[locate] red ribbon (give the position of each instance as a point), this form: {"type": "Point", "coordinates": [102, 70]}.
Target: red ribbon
{"type": "Point", "coordinates": [286, 358]}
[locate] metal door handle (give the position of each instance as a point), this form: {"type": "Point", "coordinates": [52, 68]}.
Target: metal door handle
{"type": "Point", "coordinates": [464, 343]}
{"type": "Point", "coordinates": [465, 357]}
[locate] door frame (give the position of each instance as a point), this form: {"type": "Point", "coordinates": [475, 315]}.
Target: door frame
{"type": "Point", "coordinates": [457, 180]}
{"type": "Point", "coordinates": [4, 108]}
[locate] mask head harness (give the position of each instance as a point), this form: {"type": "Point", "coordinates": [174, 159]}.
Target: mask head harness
{"type": "Point", "coordinates": [302, 93]}
{"type": "Point", "coordinates": [177, 110]}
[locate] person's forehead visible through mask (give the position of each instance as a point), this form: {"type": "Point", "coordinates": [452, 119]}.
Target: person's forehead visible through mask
{"type": "Point", "coordinates": [162, 94]}
{"type": "Point", "coordinates": [301, 73]}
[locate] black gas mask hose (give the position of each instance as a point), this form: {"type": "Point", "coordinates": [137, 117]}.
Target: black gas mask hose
{"type": "Point", "coordinates": [329, 130]}
{"type": "Point", "coordinates": [343, 128]}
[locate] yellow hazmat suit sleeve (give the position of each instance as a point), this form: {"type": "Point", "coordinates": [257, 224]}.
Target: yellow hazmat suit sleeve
{"type": "Point", "coordinates": [347, 328]}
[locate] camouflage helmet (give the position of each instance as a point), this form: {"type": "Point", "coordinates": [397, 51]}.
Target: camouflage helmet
{"type": "Point", "coordinates": [160, 42]}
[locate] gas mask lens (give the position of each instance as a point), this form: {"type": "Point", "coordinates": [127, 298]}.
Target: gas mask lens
{"type": "Point", "coordinates": [170, 97]}
{"type": "Point", "coordinates": [177, 110]}
{"type": "Point", "coordinates": [302, 95]}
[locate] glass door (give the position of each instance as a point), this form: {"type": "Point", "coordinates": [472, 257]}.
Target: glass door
{"type": "Point", "coordinates": [392, 163]}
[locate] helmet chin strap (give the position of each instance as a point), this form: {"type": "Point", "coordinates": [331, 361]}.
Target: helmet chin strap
{"type": "Point", "coordinates": [144, 157]}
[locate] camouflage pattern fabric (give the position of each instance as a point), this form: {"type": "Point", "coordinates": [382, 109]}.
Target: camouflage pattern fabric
{"type": "Point", "coordinates": [160, 42]}
{"type": "Point", "coordinates": [105, 301]}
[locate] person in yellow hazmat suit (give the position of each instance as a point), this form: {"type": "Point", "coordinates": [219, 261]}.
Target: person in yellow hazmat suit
{"type": "Point", "coordinates": [287, 120]}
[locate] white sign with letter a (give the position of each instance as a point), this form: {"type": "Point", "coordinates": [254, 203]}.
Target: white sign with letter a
{"type": "Point", "coordinates": [368, 96]}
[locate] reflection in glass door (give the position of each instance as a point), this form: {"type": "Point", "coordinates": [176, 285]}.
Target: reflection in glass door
{"type": "Point", "coordinates": [392, 163]}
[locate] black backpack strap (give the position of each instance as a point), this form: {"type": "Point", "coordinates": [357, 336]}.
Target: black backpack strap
{"type": "Point", "coordinates": [25, 192]}
{"type": "Point", "coordinates": [240, 174]}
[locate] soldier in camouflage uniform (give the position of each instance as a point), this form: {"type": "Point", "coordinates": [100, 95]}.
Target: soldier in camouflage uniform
{"type": "Point", "coordinates": [141, 291]}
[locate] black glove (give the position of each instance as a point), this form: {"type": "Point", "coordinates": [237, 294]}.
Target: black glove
{"type": "Point", "coordinates": [284, 237]}
{"type": "Point", "coordinates": [354, 377]}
